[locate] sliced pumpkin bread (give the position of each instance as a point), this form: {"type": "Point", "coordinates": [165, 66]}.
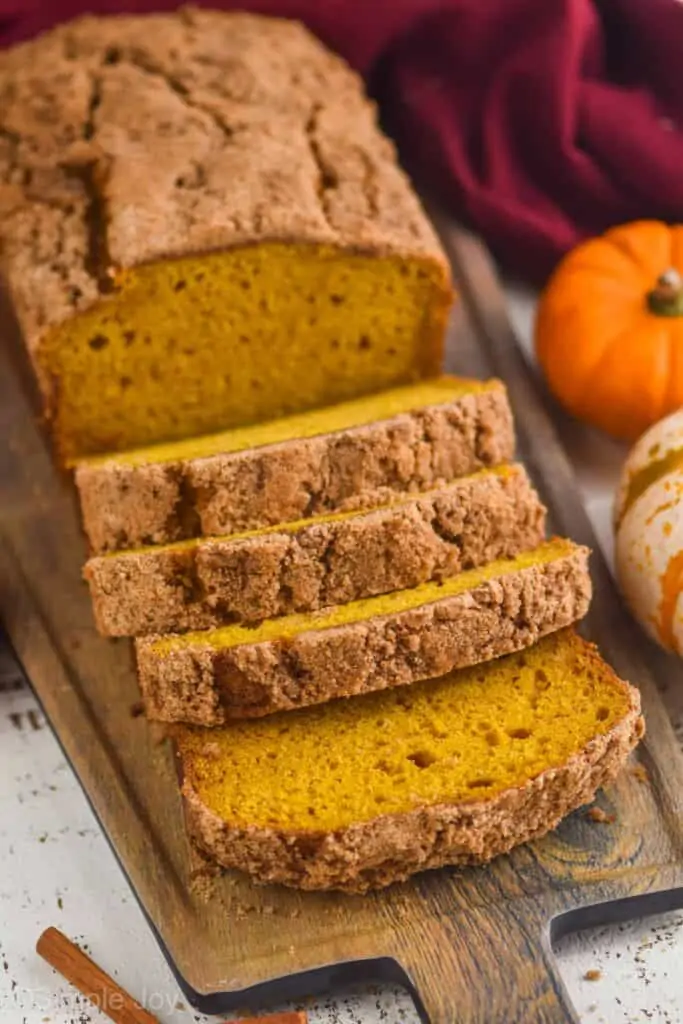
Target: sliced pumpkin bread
{"type": "Point", "coordinates": [308, 565]}
{"type": "Point", "coordinates": [398, 638]}
{"type": "Point", "coordinates": [357, 794]}
{"type": "Point", "coordinates": [404, 439]}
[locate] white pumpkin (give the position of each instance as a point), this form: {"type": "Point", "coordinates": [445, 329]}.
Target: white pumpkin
{"type": "Point", "coordinates": [649, 531]}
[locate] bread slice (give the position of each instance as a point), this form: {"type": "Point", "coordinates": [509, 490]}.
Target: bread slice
{"type": "Point", "coordinates": [305, 566]}
{"type": "Point", "coordinates": [357, 794]}
{"type": "Point", "coordinates": [398, 638]}
{"type": "Point", "coordinates": [405, 439]}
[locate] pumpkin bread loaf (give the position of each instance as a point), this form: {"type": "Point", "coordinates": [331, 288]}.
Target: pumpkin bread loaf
{"type": "Point", "coordinates": [202, 226]}
{"type": "Point", "coordinates": [392, 640]}
{"type": "Point", "coordinates": [404, 439]}
{"type": "Point", "coordinates": [357, 794]}
{"type": "Point", "coordinates": [307, 565]}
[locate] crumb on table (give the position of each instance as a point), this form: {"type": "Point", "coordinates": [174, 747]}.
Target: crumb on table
{"type": "Point", "coordinates": [601, 817]}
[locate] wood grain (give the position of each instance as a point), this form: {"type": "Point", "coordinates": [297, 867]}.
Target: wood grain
{"type": "Point", "coordinates": [474, 945]}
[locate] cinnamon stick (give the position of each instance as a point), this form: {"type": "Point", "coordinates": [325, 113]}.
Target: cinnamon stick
{"type": "Point", "coordinates": [78, 969]}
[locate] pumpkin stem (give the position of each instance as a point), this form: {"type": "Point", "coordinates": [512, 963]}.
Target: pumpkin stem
{"type": "Point", "coordinates": [666, 298]}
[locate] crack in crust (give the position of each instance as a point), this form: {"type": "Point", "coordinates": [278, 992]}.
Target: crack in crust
{"type": "Point", "coordinates": [146, 64]}
{"type": "Point", "coordinates": [89, 165]}
{"type": "Point", "coordinates": [327, 179]}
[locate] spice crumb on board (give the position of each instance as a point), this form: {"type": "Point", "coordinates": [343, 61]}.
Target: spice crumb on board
{"type": "Point", "coordinates": [639, 771]}
{"type": "Point", "coordinates": [137, 709]}
{"type": "Point", "coordinates": [202, 883]}
{"type": "Point", "coordinates": [593, 974]}
{"type": "Point", "coordinates": [601, 817]}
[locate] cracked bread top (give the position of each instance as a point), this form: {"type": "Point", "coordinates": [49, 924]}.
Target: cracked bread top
{"type": "Point", "coordinates": [128, 139]}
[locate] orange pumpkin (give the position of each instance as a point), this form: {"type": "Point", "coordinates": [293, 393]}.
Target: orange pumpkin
{"type": "Point", "coordinates": [609, 328]}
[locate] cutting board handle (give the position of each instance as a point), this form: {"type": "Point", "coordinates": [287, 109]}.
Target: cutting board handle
{"type": "Point", "coordinates": [490, 966]}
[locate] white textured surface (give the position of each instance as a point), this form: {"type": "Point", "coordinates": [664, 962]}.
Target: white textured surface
{"type": "Point", "coordinates": [56, 868]}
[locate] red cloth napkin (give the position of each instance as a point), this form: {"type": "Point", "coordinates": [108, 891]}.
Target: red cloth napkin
{"type": "Point", "coordinates": [539, 121]}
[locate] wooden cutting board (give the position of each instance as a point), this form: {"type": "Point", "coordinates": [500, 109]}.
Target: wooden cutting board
{"type": "Point", "coordinates": [475, 945]}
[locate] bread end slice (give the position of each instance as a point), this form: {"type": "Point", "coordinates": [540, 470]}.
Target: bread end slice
{"type": "Point", "coordinates": [386, 848]}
